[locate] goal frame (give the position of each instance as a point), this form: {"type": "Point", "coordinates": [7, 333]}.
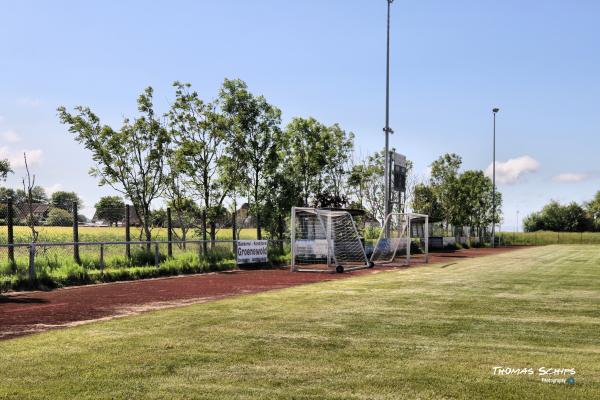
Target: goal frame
{"type": "Point", "coordinates": [332, 264]}
{"type": "Point", "coordinates": [407, 238]}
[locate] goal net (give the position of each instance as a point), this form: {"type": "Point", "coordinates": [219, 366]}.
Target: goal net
{"type": "Point", "coordinates": [403, 236]}
{"type": "Point", "coordinates": [325, 241]}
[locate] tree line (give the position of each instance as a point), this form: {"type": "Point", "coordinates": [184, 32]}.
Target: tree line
{"type": "Point", "coordinates": [460, 199]}
{"type": "Point", "coordinates": [201, 157]}
{"type": "Point", "coordinates": [570, 217]}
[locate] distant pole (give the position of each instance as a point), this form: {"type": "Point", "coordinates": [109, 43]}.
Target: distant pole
{"type": "Point", "coordinates": [387, 129]}
{"type": "Point", "coordinates": [494, 111]}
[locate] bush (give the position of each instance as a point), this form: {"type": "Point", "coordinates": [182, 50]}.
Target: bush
{"type": "Point", "coordinates": [59, 217]}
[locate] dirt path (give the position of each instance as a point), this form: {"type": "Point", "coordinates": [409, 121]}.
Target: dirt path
{"type": "Point", "coordinates": [28, 312]}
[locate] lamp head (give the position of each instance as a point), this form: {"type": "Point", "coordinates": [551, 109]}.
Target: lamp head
{"type": "Point", "coordinates": [495, 110]}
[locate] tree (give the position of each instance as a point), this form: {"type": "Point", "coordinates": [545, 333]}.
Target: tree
{"type": "Point", "coordinates": [38, 195]}
{"type": "Point", "coordinates": [375, 187]}
{"type": "Point", "coordinates": [593, 209]}
{"type": "Point", "coordinates": [130, 160]}
{"type": "Point", "coordinates": [473, 194]}
{"type": "Point", "coordinates": [7, 193]}
{"type": "Point", "coordinates": [199, 132]}
{"type": "Point", "coordinates": [259, 138]}
{"type": "Point", "coordinates": [284, 193]}
{"type": "Point", "coordinates": [307, 154]}
{"type": "Point", "coordinates": [110, 209]}
{"type": "Point", "coordinates": [28, 190]}
{"type": "Point", "coordinates": [338, 146]}
{"type": "Point", "coordinates": [444, 175]}
{"type": "Point", "coordinates": [4, 169]}
{"type": "Point", "coordinates": [320, 156]}
{"type": "Point", "coordinates": [559, 218]}
{"type": "Point", "coordinates": [65, 200]}
{"type": "Point", "coordinates": [424, 201]}
{"type": "Point", "coordinates": [59, 217]}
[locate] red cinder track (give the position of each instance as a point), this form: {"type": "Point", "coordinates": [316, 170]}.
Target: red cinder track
{"type": "Point", "coordinates": [22, 313]}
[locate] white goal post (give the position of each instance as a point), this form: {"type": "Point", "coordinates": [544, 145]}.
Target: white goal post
{"type": "Point", "coordinates": [325, 241]}
{"type": "Point", "coordinates": [399, 232]}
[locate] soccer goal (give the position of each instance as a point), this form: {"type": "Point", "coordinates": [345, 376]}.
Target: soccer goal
{"type": "Point", "coordinates": [404, 235]}
{"type": "Point", "coordinates": [325, 241]}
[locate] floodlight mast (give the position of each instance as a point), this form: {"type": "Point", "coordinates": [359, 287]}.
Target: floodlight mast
{"type": "Point", "coordinates": [494, 111]}
{"type": "Point", "coordinates": [387, 129]}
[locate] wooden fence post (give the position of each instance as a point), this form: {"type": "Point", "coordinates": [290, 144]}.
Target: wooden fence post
{"type": "Point", "coordinates": [31, 264]}
{"type": "Point", "coordinates": [127, 233]}
{"type": "Point", "coordinates": [102, 257]}
{"type": "Point", "coordinates": [75, 235]}
{"type": "Point", "coordinates": [156, 255]}
{"type": "Point", "coordinates": [169, 233]}
{"type": "Point", "coordinates": [10, 234]}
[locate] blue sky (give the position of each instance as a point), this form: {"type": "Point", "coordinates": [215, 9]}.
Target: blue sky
{"type": "Point", "coordinates": [451, 63]}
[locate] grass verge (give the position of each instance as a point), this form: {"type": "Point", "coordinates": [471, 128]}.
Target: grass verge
{"type": "Point", "coordinates": [425, 332]}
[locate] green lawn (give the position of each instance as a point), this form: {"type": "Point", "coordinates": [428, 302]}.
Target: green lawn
{"type": "Point", "coordinates": [428, 332]}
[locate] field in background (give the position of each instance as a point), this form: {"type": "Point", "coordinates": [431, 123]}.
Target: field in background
{"type": "Point", "coordinates": [22, 234]}
{"type": "Point", "coordinates": [544, 238]}
{"type": "Point", "coordinates": [427, 332]}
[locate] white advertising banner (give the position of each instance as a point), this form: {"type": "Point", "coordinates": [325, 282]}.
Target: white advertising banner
{"type": "Point", "coordinates": [251, 251]}
{"type": "Point", "coordinates": [313, 248]}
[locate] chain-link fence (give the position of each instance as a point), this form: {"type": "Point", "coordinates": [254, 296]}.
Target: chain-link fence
{"type": "Point", "coordinates": [63, 263]}
{"type": "Point", "coordinates": [45, 243]}
{"type": "Point", "coordinates": [542, 238]}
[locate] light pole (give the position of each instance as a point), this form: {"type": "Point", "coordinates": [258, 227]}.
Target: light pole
{"type": "Point", "coordinates": [387, 129]}
{"type": "Point", "coordinates": [494, 111]}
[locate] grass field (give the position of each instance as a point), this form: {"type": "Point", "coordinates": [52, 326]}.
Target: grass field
{"type": "Point", "coordinates": [429, 332]}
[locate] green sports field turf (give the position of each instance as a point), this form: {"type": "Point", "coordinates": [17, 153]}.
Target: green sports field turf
{"type": "Point", "coordinates": [432, 332]}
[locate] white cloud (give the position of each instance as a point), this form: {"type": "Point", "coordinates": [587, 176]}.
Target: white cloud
{"type": "Point", "coordinates": [570, 177]}
{"type": "Point", "coordinates": [10, 136]}
{"type": "Point", "coordinates": [34, 157]}
{"type": "Point", "coordinates": [54, 188]}
{"type": "Point", "coordinates": [29, 102]}
{"type": "Point", "coordinates": [512, 170]}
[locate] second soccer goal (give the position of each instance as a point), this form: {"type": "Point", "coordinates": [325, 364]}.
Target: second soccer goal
{"type": "Point", "coordinates": [325, 241]}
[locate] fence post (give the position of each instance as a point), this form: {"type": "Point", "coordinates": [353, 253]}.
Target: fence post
{"type": "Point", "coordinates": [204, 244]}
{"type": "Point", "coordinates": [557, 237]}
{"type": "Point", "coordinates": [10, 234]}
{"type": "Point", "coordinates": [127, 233]}
{"type": "Point", "coordinates": [102, 257]}
{"type": "Point", "coordinates": [75, 235]}
{"type": "Point", "coordinates": [234, 227]}
{"type": "Point", "coordinates": [156, 255]}
{"type": "Point", "coordinates": [169, 233]}
{"type": "Point", "coordinates": [31, 264]}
